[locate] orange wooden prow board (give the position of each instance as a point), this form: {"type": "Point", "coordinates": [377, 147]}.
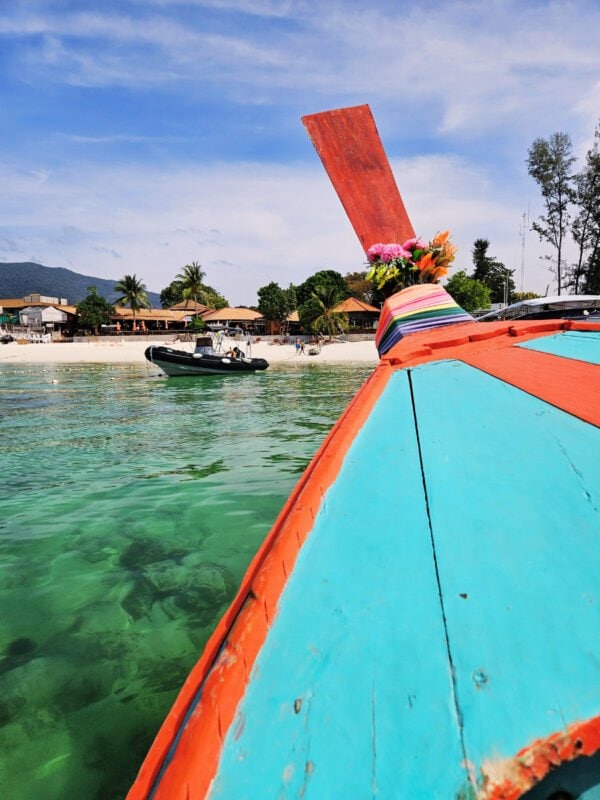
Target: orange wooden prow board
{"type": "Point", "coordinates": [349, 146]}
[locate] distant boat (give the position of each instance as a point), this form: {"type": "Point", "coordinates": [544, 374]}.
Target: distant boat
{"type": "Point", "coordinates": [203, 361]}
{"type": "Point", "coordinates": [576, 306]}
{"type": "Point", "coordinates": [422, 621]}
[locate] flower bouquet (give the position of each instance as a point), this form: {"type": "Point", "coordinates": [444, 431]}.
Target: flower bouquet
{"type": "Point", "coordinates": [413, 262]}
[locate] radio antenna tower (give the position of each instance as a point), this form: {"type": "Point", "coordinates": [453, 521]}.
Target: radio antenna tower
{"type": "Point", "coordinates": [523, 228]}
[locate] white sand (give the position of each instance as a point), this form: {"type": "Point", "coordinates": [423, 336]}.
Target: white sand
{"type": "Point", "coordinates": [127, 351]}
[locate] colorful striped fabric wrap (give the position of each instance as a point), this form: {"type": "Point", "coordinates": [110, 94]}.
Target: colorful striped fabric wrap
{"type": "Point", "coordinates": [417, 308]}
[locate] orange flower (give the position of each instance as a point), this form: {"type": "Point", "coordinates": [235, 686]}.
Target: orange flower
{"type": "Point", "coordinates": [440, 239]}
{"type": "Point", "coordinates": [425, 261]}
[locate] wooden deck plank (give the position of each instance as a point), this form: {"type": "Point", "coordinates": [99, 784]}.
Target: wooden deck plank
{"type": "Point", "coordinates": [583, 346]}
{"type": "Point", "coordinates": [352, 694]}
{"type": "Point", "coordinates": [514, 499]}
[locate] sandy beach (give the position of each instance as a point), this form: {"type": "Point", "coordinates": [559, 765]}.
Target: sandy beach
{"type": "Point", "coordinates": [126, 351]}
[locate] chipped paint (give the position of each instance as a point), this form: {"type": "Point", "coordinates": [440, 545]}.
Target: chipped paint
{"type": "Point", "coordinates": [509, 779]}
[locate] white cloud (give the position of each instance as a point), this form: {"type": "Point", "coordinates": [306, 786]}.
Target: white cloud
{"type": "Point", "coordinates": [467, 84]}
{"type": "Point", "coordinates": [247, 224]}
{"type": "Point", "coordinates": [464, 68]}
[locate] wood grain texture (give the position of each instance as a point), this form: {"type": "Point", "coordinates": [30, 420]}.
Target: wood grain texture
{"type": "Point", "coordinates": [349, 146]}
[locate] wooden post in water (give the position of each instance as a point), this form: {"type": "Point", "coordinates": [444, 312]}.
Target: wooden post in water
{"type": "Point", "coordinates": [349, 146]}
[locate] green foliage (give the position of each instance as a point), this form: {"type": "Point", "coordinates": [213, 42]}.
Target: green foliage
{"type": "Point", "coordinates": [492, 273]}
{"type": "Point", "coordinates": [591, 281]}
{"type": "Point", "coordinates": [274, 303]}
{"type": "Point", "coordinates": [360, 286]}
{"type": "Point", "coordinates": [197, 324]}
{"type": "Point", "coordinates": [549, 163]}
{"type": "Point", "coordinates": [189, 285]}
{"type": "Point", "coordinates": [317, 315]}
{"type": "Point", "coordinates": [211, 298]}
{"type": "Point", "coordinates": [94, 310]}
{"type": "Point", "coordinates": [292, 296]}
{"type": "Point", "coordinates": [172, 294]}
{"type": "Point", "coordinates": [586, 225]}
{"type": "Point", "coordinates": [191, 277]}
{"type": "Point", "coordinates": [518, 297]}
{"type": "Point", "coordinates": [470, 293]}
{"type": "Point", "coordinates": [132, 292]}
{"type": "Point", "coordinates": [325, 279]}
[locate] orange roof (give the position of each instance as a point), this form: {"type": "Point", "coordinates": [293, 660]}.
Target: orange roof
{"type": "Point", "coordinates": [293, 317]}
{"type": "Point", "coordinates": [352, 304]}
{"type": "Point", "coordinates": [231, 315]}
{"type": "Point", "coordinates": [189, 305]}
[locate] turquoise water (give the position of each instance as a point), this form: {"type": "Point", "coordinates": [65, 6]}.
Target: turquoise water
{"type": "Point", "coordinates": [130, 506]}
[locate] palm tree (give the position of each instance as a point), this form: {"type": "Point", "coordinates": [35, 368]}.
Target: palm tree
{"type": "Point", "coordinates": [191, 276]}
{"type": "Point", "coordinates": [133, 293]}
{"type": "Point", "coordinates": [328, 321]}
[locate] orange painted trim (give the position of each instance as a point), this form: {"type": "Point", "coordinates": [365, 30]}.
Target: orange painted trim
{"type": "Point", "coordinates": [223, 670]}
{"type": "Point", "coordinates": [573, 386]}
{"type": "Point", "coordinates": [512, 779]}
{"type": "Point", "coordinates": [568, 384]}
{"type": "Point", "coordinates": [575, 325]}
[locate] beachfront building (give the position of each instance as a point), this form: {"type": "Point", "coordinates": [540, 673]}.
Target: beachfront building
{"type": "Point", "coordinates": [48, 319]}
{"type": "Point", "coordinates": [244, 318]}
{"type": "Point", "coordinates": [39, 313]}
{"type": "Point", "coordinates": [148, 319]}
{"type": "Point", "coordinates": [191, 308]}
{"type": "Point", "coordinates": [361, 316]}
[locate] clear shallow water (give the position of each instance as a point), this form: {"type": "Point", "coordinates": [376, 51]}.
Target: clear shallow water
{"type": "Point", "coordinates": [130, 506]}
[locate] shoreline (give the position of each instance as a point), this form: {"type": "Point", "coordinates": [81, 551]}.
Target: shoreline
{"type": "Point", "coordinates": [128, 352]}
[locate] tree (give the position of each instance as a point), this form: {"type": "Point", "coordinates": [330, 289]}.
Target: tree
{"type": "Point", "coordinates": [325, 278]}
{"type": "Point", "coordinates": [470, 293]}
{"type": "Point", "coordinates": [591, 284]}
{"type": "Point", "coordinates": [549, 163]}
{"type": "Point", "coordinates": [586, 225]}
{"type": "Point", "coordinates": [292, 297]}
{"type": "Point", "coordinates": [317, 313]}
{"type": "Point", "coordinates": [492, 273]}
{"type": "Point", "coordinates": [94, 310]}
{"type": "Point", "coordinates": [211, 298]}
{"type": "Point", "coordinates": [360, 286]}
{"type": "Point", "coordinates": [482, 263]}
{"type": "Point", "coordinates": [274, 302]}
{"type": "Point", "coordinates": [191, 277]}
{"type": "Point", "coordinates": [518, 297]}
{"type": "Point", "coordinates": [172, 294]}
{"type": "Point", "coordinates": [133, 293]}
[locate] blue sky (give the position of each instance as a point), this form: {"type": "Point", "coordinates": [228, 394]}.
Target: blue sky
{"type": "Point", "coordinates": [139, 135]}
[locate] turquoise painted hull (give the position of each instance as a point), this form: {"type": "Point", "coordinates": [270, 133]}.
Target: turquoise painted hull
{"type": "Point", "coordinates": [436, 618]}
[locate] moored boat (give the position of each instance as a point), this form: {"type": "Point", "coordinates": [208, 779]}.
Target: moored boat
{"type": "Point", "coordinates": [203, 361]}
{"type": "Point", "coordinates": [422, 619]}
{"type": "Point", "coordinates": [578, 306]}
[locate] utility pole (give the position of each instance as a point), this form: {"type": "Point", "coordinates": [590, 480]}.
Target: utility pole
{"type": "Point", "coordinates": [523, 228]}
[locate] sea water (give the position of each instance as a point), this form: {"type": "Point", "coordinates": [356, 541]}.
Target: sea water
{"type": "Point", "coordinates": [130, 506]}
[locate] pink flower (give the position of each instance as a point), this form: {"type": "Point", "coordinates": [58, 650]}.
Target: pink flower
{"type": "Point", "coordinates": [374, 253]}
{"type": "Point", "coordinates": [387, 252]}
{"type": "Point", "coordinates": [414, 244]}
{"type": "Point", "coordinates": [393, 251]}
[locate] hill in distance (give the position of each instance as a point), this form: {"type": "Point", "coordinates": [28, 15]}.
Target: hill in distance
{"type": "Point", "coordinates": [18, 279]}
